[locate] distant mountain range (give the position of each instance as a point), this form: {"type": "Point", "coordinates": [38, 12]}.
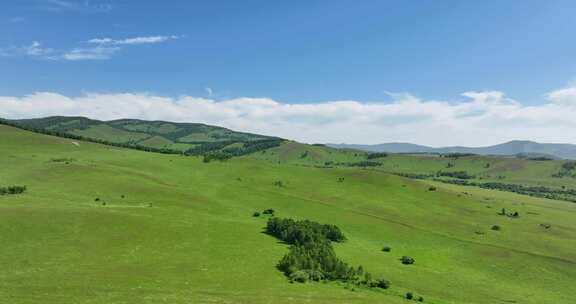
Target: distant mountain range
{"type": "Point", "coordinates": [515, 147]}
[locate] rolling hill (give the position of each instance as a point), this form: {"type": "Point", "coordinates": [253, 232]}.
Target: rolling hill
{"type": "Point", "coordinates": [193, 138]}
{"type": "Point", "coordinates": [566, 151]}
{"type": "Point", "coordinates": [104, 224]}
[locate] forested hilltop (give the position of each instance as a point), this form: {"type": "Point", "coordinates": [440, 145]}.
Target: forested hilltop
{"type": "Point", "coordinates": [154, 136]}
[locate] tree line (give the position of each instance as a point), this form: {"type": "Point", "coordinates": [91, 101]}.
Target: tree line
{"type": "Point", "coordinates": [535, 191]}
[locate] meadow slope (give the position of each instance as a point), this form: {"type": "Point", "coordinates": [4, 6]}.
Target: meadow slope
{"type": "Point", "coordinates": [172, 229]}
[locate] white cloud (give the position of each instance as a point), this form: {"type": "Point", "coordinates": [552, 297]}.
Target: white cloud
{"type": "Point", "coordinates": [132, 41]}
{"type": "Point", "coordinates": [482, 118]}
{"type": "Point", "coordinates": [565, 96]}
{"type": "Point", "coordinates": [97, 53]}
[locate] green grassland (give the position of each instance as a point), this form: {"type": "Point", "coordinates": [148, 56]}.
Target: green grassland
{"type": "Point", "coordinates": [177, 230]}
{"type": "Point", "coordinates": [483, 168]}
{"type": "Point", "coordinates": [294, 153]}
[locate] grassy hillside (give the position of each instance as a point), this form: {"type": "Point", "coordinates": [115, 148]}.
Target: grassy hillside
{"type": "Point", "coordinates": [172, 229]}
{"type": "Point", "coordinates": [168, 136]}
{"type": "Point", "coordinates": [550, 174]}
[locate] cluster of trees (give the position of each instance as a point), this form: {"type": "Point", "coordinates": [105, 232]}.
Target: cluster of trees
{"type": "Point", "coordinates": [364, 163]}
{"type": "Point", "coordinates": [455, 174]}
{"type": "Point", "coordinates": [11, 190]}
{"type": "Point", "coordinates": [567, 170]}
{"type": "Point", "coordinates": [377, 155]}
{"type": "Point", "coordinates": [246, 148]}
{"type": "Point", "coordinates": [312, 257]}
{"type": "Point", "coordinates": [218, 155]}
{"type": "Point", "coordinates": [300, 232]}
{"type": "Point", "coordinates": [415, 175]}
{"type": "Point", "coordinates": [457, 155]}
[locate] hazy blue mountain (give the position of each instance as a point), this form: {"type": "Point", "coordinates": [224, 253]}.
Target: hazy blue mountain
{"type": "Point", "coordinates": [514, 147]}
{"type": "Point", "coordinates": [388, 147]}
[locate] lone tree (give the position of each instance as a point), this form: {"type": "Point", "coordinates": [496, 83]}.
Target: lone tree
{"type": "Point", "coordinates": [409, 296]}
{"type": "Point", "coordinates": [386, 249]}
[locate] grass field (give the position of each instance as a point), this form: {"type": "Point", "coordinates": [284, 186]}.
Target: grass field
{"type": "Point", "coordinates": [176, 230]}
{"type": "Point", "coordinates": [483, 168]}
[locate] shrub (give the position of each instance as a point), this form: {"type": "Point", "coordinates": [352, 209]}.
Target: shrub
{"type": "Point", "coordinates": [300, 276]}
{"type": "Point", "coordinates": [382, 283]}
{"type": "Point", "coordinates": [406, 260]}
{"type": "Point", "coordinates": [256, 214]}
{"type": "Point", "coordinates": [316, 275]}
{"type": "Point", "coordinates": [496, 228]}
{"type": "Point", "coordinates": [569, 166]}
{"type": "Point", "coordinates": [432, 188]}
{"type": "Point", "coordinates": [268, 211]}
{"type": "Point", "coordinates": [420, 299]}
{"type": "Point", "coordinates": [409, 295]}
{"type": "Point", "coordinates": [12, 190]}
{"type": "Point", "coordinates": [386, 249]}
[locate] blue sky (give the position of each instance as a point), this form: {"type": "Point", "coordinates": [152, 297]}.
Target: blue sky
{"type": "Point", "coordinates": [290, 52]}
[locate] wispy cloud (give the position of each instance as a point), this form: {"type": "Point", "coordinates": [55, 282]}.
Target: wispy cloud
{"type": "Point", "coordinates": [209, 91]}
{"type": "Point", "coordinates": [480, 118]}
{"type": "Point", "coordinates": [75, 5]}
{"type": "Point", "coordinates": [96, 53]}
{"type": "Point", "coordinates": [34, 49]}
{"type": "Point", "coordinates": [132, 41]}
{"type": "Point", "coordinates": [97, 49]}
